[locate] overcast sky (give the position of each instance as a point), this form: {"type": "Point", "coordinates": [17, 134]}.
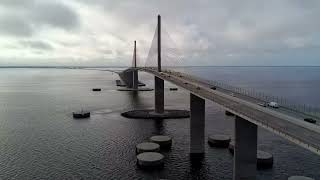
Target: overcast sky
{"type": "Point", "coordinates": [208, 32]}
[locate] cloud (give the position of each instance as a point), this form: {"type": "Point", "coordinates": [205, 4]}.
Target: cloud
{"type": "Point", "coordinates": [15, 26]}
{"type": "Point", "coordinates": [40, 45]}
{"type": "Point", "coordinates": [54, 14]}
{"type": "Point", "coordinates": [208, 32]}
{"type": "Point", "coordinates": [16, 3]}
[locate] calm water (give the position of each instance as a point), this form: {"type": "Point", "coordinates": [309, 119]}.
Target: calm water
{"type": "Point", "coordinates": [39, 139]}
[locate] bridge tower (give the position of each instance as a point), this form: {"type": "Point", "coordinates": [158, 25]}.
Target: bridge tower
{"type": "Point", "coordinates": [159, 83]}
{"type": "Point", "coordinates": [135, 71]}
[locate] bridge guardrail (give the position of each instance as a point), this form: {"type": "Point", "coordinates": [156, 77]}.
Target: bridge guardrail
{"type": "Point", "coordinates": [302, 109]}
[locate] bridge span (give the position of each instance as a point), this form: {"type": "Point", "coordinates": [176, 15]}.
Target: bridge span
{"type": "Point", "coordinates": [248, 114]}
{"type": "Point", "coordinates": [296, 130]}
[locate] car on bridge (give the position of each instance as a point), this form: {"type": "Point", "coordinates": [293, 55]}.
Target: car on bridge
{"type": "Point", "coordinates": [273, 104]}
{"type": "Point", "coordinates": [310, 120]}
{"type": "Point", "coordinates": [263, 104]}
{"type": "Point", "coordinates": [213, 87]}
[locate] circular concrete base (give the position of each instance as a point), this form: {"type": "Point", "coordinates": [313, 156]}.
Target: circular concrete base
{"type": "Point", "coordinates": [147, 147]}
{"type": "Point", "coordinates": [139, 89]}
{"type": "Point", "coordinates": [163, 141]}
{"type": "Point", "coordinates": [150, 114]}
{"type": "Point", "coordinates": [264, 160]}
{"type": "Point", "coordinates": [150, 160]}
{"type": "Point", "coordinates": [299, 178]}
{"type": "Point", "coordinates": [228, 113]}
{"type": "Point", "coordinates": [231, 147]}
{"type": "Point", "coordinates": [219, 140]}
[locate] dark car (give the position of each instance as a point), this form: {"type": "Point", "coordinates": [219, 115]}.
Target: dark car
{"type": "Point", "coordinates": [213, 88]}
{"type": "Point", "coordinates": [262, 104]}
{"type": "Point", "coordinates": [310, 120]}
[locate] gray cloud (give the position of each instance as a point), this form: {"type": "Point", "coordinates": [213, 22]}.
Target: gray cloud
{"type": "Point", "coordinates": [206, 30]}
{"type": "Point", "coordinates": [15, 26]}
{"type": "Point", "coordinates": [40, 45]}
{"type": "Point", "coordinates": [27, 13]}
{"type": "Point", "coordinates": [55, 14]}
{"type": "Point", "coordinates": [16, 3]}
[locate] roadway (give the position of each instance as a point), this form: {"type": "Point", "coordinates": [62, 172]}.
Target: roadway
{"type": "Point", "coordinates": [209, 84]}
{"type": "Point", "coordinates": [290, 127]}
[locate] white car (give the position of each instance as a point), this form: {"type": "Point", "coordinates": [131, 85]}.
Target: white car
{"type": "Point", "coordinates": [273, 104]}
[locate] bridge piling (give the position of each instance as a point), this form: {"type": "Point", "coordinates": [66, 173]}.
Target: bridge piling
{"type": "Point", "coordinates": [135, 71]}
{"type": "Point", "coordinates": [245, 151]}
{"type": "Point", "coordinates": [159, 95]}
{"type": "Point", "coordinates": [197, 125]}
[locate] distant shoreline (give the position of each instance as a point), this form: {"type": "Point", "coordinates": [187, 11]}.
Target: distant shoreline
{"type": "Point", "coordinates": [80, 67]}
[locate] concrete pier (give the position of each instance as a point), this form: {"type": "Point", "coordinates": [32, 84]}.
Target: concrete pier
{"type": "Point", "coordinates": [127, 78]}
{"type": "Point", "coordinates": [147, 147]}
{"type": "Point", "coordinates": [264, 160]}
{"type": "Point", "coordinates": [219, 140]}
{"type": "Point", "coordinates": [150, 160]}
{"type": "Point", "coordinates": [159, 95]}
{"type": "Point", "coordinates": [165, 142]}
{"type": "Point", "coordinates": [135, 79]}
{"type": "Point", "coordinates": [300, 178]}
{"type": "Point", "coordinates": [197, 125]}
{"type": "Point", "coordinates": [245, 151]}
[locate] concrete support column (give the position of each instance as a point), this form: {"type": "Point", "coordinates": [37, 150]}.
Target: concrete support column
{"type": "Point", "coordinates": [135, 79]}
{"type": "Point", "coordinates": [245, 151]}
{"type": "Point", "coordinates": [159, 95]}
{"type": "Point", "coordinates": [197, 125]}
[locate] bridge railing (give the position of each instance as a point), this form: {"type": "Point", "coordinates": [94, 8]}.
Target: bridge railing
{"type": "Point", "coordinates": [263, 97]}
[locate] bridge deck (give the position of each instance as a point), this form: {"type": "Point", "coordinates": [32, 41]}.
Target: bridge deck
{"type": "Point", "coordinates": [302, 133]}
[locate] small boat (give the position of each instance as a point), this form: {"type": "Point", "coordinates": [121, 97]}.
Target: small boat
{"type": "Point", "coordinates": [81, 114]}
{"type": "Point", "coordinates": [96, 89]}
{"type": "Point", "coordinates": [310, 120]}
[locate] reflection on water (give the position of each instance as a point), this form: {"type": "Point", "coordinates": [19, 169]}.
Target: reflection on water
{"type": "Point", "coordinates": [39, 139]}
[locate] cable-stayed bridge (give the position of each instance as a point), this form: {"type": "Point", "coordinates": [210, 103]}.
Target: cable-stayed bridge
{"type": "Point", "coordinates": [286, 121]}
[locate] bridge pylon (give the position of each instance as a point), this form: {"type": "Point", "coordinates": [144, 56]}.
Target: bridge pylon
{"type": "Point", "coordinates": [135, 83]}
{"type": "Point", "coordinates": [158, 82]}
